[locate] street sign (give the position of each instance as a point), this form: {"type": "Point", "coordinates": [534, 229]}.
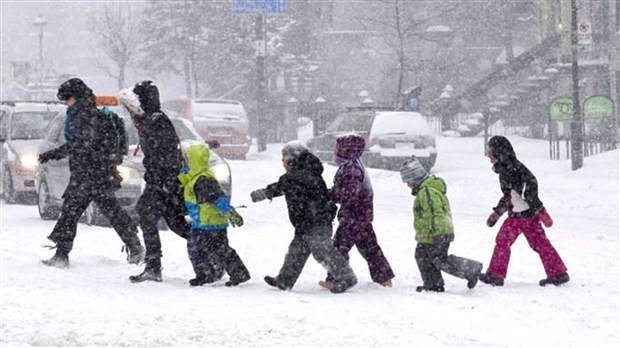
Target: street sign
{"type": "Point", "coordinates": [561, 108]}
{"type": "Point", "coordinates": [584, 33]}
{"type": "Point", "coordinates": [598, 106]}
{"type": "Point", "coordinates": [258, 6]}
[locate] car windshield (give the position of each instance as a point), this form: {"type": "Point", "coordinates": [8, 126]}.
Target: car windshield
{"type": "Point", "coordinates": [208, 109]}
{"type": "Point", "coordinates": [349, 123]}
{"type": "Point", "coordinates": [30, 125]}
{"type": "Point", "coordinates": [184, 131]}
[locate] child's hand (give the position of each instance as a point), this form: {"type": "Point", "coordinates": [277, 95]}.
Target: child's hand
{"type": "Point", "coordinates": [545, 218]}
{"type": "Point", "coordinates": [258, 195]}
{"type": "Point", "coordinates": [492, 220]}
{"type": "Point", "coordinates": [234, 218]}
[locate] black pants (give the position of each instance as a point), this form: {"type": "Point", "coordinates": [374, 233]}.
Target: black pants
{"type": "Point", "coordinates": [154, 204]}
{"type": "Point", "coordinates": [432, 259]}
{"type": "Point", "coordinates": [76, 200]}
{"type": "Point", "coordinates": [210, 252]}
{"type": "Point", "coordinates": [315, 241]}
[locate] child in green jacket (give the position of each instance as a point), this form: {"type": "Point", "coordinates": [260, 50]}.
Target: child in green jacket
{"type": "Point", "coordinates": [434, 230]}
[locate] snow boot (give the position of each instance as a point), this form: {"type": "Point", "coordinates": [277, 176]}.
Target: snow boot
{"type": "Point", "coordinates": [430, 288]}
{"type": "Point", "coordinates": [273, 281]}
{"type": "Point", "coordinates": [201, 280]}
{"type": "Point", "coordinates": [473, 280]}
{"type": "Point", "coordinates": [152, 272]}
{"type": "Point", "coordinates": [557, 280]}
{"type": "Point", "coordinates": [234, 281]}
{"type": "Point", "coordinates": [59, 260]}
{"type": "Point", "coordinates": [490, 279]}
{"type": "Point", "coordinates": [135, 255]}
{"type": "Point", "coordinates": [343, 285]}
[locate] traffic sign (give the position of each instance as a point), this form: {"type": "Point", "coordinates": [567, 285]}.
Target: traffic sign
{"type": "Point", "coordinates": [584, 32]}
{"type": "Point", "coordinates": [258, 6]}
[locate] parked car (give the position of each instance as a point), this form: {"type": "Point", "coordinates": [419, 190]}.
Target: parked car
{"type": "Point", "coordinates": [391, 137]}
{"type": "Point", "coordinates": [225, 121]}
{"type": "Point", "coordinates": [53, 176]}
{"type": "Point", "coordinates": [22, 128]}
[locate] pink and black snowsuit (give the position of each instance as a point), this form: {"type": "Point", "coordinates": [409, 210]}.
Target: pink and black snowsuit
{"type": "Point", "coordinates": [353, 191]}
{"type": "Point", "coordinates": [520, 200]}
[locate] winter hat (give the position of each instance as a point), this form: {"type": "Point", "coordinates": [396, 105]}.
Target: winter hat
{"type": "Point", "coordinates": [148, 94]}
{"type": "Point", "coordinates": [293, 149]}
{"type": "Point", "coordinates": [74, 88]}
{"type": "Point", "coordinates": [350, 146]}
{"type": "Point", "coordinates": [412, 171]}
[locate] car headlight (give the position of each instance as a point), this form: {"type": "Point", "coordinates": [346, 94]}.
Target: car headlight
{"type": "Point", "coordinates": [127, 172]}
{"type": "Point", "coordinates": [221, 172]}
{"type": "Point", "coordinates": [29, 161]}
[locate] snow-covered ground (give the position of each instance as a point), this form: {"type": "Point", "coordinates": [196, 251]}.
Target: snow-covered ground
{"type": "Point", "coordinates": [93, 304]}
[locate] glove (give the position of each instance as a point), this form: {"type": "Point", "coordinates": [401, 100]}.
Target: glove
{"type": "Point", "coordinates": [184, 169]}
{"type": "Point", "coordinates": [43, 157]}
{"type": "Point", "coordinates": [544, 217]}
{"type": "Point", "coordinates": [492, 220]}
{"type": "Point", "coordinates": [234, 218]}
{"type": "Point", "coordinates": [258, 195]}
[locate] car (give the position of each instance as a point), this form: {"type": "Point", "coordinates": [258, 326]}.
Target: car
{"type": "Point", "coordinates": [53, 176]}
{"type": "Point", "coordinates": [225, 121]}
{"type": "Point", "coordinates": [22, 128]}
{"type": "Point", "coordinates": [391, 137]}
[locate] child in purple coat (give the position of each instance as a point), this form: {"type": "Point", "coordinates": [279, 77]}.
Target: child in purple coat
{"type": "Point", "coordinates": [353, 191]}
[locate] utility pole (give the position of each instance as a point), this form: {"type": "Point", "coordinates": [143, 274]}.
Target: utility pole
{"type": "Point", "coordinates": [261, 137]}
{"type": "Point", "coordinates": [577, 122]}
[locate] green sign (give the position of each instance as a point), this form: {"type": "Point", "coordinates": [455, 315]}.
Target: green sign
{"type": "Point", "coordinates": [561, 108]}
{"type": "Point", "coordinates": [598, 106]}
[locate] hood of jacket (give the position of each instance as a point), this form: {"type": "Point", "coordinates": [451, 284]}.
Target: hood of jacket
{"type": "Point", "coordinates": [308, 161]}
{"type": "Point", "coordinates": [148, 94]}
{"type": "Point", "coordinates": [503, 152]}
{"type": "Point", "coordinates": [350, 146]}
{"type": "Point", "coordinates": [198, 156]}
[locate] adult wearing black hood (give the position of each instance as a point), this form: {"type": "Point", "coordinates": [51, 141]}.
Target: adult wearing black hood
{"type": "Point", "coordinates": [163, 194]}
{"type": "Point", "coordinates": [525, 214]}
{"type": "Point", "coordinates": [311, 212]}
{"type": "Point", "coordinates": [92, 175]}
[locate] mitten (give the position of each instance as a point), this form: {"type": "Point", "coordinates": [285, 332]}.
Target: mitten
{"type": "Point", "coordinates": [544, 217]}
{"type": "Point", "coordinates": [492, 220]}
{"type": "Point", "coordinates": [258, 195]}
{"type": "Point", "coordinates": [234, 218]}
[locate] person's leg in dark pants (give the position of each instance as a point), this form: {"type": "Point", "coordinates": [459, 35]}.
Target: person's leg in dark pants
{"type": "Point", "coordinates": [426, 256]}
{"type": "Point", "coordinates": [122, 224]}
{"type": "Point", "coordinates": [231, 261]}
{"type": "Point", "coordinates": [201, 257]}
{"type": "Point", "coordinates": [294, 262]}
{"type": "Point", "coordinates": [150, 207]}
{"type": "Point", "coordinates": [343, 242]}
{"type": "Point", "coordinates": [318, 240]}
{"type": "Point", "coordinates": [174, 214]}
{"type": "Point", "coordinates": [368, 246]}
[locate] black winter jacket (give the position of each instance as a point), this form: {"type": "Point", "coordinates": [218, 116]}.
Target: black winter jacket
{"type": "Point", "coordinates": [513, 175]}
{"type": "Point", "coordinates": [306, 193]}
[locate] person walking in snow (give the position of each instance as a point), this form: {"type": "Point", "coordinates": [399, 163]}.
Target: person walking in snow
{"type": "Point", "coordinates": [434, 230]}
{"type": "Point", "coordinates": [311, 212]}
{"type": "Point", "coordinates": [353, 191]}
{"type": "Point", "coordinates": [163, 194]}
{"type": "Point", "coordinates": [91, 175]}
{"type": "Point", "coordinates": [210, 211]}
{"type": "Point", "coordinates": [525, 214]}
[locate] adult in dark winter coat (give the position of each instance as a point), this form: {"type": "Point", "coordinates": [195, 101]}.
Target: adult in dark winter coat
{"type": "Point", "coordinates": [163, 194]}
{"type": "Point", "coordinates": [311, 212]}
{"type": "Point", "coordinates": [525, 214]}
{"type": "Point", "coordinates": [92, 175]}
{"type": "Point", "coordinates": [353, 191]}
{"type": "Point", "coordinates": [434, 230]}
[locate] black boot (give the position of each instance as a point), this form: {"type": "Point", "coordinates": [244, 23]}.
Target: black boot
{"type": "Point", "coordinates": [201, 280]}
{"type": "Point", "coordinates": [491, 280]}
{"type": "Point", "coordinates": [473, 280]}
{"type": "Point", "coordinates": [343, 285]}
{"type": "Point", "coordinates": [59, 260]}
{"type": "Point", "coordinates": [152, 272]}
{"type": "Point", "coordinates": [273, 281]}
{"type": "Point", "coordinates": [430, 288]}
{"type": "Point", "coordinates": [557, 280]}
{"type": "Point", "coordinates": [236, 280]}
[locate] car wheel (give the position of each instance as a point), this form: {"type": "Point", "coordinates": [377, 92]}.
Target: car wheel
{"type": "Point", "coordinates": [7, 187]}
{"type": "Point", "coordinates": [47, 209]}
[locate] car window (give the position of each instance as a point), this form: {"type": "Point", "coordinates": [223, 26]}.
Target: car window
{"type": "Point", "coordinates": [184, 132]}
{"type": "Point", "coordinates": [54, 129]}
{"type": "Point", "coordinates": [177, 106]}
{"type": "Point", "coordinates": [350, 123]}
{"type": "Point", "coordinates": [210, 109]}
{"type": "Point", "coordinates": [30, 125]}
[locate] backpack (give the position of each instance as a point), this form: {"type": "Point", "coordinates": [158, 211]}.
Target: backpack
{"type": "Point", "coordinates": [113, 137]}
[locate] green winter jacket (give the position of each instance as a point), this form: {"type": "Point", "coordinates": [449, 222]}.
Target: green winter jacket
{"type": "Point", "coordinates": [207, 215]}
{"type": "Point", "coordinates": [431, 211]}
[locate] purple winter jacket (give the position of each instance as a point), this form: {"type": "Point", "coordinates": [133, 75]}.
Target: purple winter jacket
{"type": "Point", "coordinates": [352, 188]}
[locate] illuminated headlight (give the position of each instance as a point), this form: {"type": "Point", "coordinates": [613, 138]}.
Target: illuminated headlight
{"type": "Point", "coordinates": [127, 173]}
{"type": "Point", "coordinates": [221, 172]}
{"type": "Point", "coordinates": [29, 161]}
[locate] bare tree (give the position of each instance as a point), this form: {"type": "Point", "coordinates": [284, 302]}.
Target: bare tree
{"type": "Point", "coordinates": [117, 30]}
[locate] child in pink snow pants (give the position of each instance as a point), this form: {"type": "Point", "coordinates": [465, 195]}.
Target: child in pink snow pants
{"type": "Point", "coordinates": [525, 215]}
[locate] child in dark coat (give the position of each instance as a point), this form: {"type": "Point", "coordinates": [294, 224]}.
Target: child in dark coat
{"type": "Point", "coordinates": [525, 214]}
{"type": "Point", "coordinates": [353, 191]}
{"type": "Point", "coordinates": [311, 212]}
{"type": "Point", "coordinates": [211, 213]}
{"type": "Point", "coordinates": [434, 230]}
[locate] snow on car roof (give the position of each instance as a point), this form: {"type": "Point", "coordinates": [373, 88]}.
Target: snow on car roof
{"type": "Point", "coordinates": [388, 122]}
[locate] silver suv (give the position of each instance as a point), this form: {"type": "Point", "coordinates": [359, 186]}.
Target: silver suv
{"type": "Point", "coordinates": [22, 128]}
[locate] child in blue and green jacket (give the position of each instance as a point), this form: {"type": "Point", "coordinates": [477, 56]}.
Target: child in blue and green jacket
{"type": "Point", "coordinates": [211, 213]}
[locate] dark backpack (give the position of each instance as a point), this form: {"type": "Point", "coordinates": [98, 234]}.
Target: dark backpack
{"type": "Point", "coordinates": [113, 136]}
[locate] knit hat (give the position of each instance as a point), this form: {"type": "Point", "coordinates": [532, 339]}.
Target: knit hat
{"type": "Point", "coordinates": [412, 171]}
{"type": "Point", "coordinates": [350, 146]}
{"type": "Point", "coordinates": [293, 149]}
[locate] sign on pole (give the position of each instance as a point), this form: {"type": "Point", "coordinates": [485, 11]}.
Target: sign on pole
{"type": "Point", "coordinates": [561, 108]}
{"type": "Point", "coordinates": [258, 6]}
{"type": "Point", "coordinates": [598, 106]}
